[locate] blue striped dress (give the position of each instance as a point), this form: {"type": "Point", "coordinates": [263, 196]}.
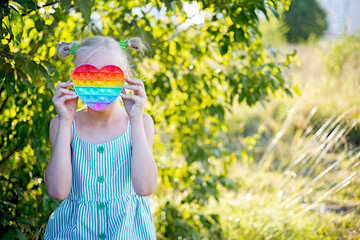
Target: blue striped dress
{"type": "Point", "coordinates": [102, 203]}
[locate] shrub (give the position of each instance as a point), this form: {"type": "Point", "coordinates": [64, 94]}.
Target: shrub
{"type": "Point", "coordinates": [304, 18]}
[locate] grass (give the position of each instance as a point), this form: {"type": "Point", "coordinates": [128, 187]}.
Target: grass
{"type": "Point", "coordinates": [301, 177]}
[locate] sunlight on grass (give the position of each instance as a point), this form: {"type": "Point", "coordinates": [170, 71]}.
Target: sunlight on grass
{"type": "Point", "coordinates": [303, 181]}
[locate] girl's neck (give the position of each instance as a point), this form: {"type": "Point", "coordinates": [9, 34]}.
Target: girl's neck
{"type": "Point", "coordinates": [106, 115]}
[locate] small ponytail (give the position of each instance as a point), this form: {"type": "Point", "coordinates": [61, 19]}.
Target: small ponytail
{"type": "Point", "coordinates": [63, 49]}
{"type": "Point", "coordinates": [135, 43]}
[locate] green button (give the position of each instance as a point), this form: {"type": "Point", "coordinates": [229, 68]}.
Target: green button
{"type": "Point", "coordinates": [100, 149]}
{"type": "Point", "coordinates": [101, 179]}
{"type": "Point", "coordinates": [101, 206]}
{"type": "Point", "coordinates": [102, 236]}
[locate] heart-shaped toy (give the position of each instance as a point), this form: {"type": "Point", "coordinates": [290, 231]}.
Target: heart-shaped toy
{"type": "Point", "coordinates": [98, 88]}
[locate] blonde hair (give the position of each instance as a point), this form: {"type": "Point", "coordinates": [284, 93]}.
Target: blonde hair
{"type": "Point", "coordinates": [91, 45]}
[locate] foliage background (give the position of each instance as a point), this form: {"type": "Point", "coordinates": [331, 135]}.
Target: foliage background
{"type": "Point", "coordinates": [304, 19]}
{"type": "Point", "coordinates": [216, 146]}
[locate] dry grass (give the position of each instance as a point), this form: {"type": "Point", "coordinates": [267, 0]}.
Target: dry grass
{"type": "Point", "coordinates": [303, 178]}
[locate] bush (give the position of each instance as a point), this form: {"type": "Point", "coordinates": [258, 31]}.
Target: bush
{"type": "Point", "coordinates": [304, 18]}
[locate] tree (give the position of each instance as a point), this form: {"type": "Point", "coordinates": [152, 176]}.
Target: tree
{"type": "Point", "coordinates": [305, 17]}
{"type": "Point", "coordinates": [194, 73]}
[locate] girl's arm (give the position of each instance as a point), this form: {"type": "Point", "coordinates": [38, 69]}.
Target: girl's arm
{"type": "Point", "coordinates": [144, 171]}
{"type": "Point", "coordinates": [58, 171]}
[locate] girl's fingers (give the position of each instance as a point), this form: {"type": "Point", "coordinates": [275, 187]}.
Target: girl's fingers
{"type": "Point", "coordinates": [66, 91]}
{"type": "Point", "coordinates": [68, 82]}
{"type": "Point", "coordinates": [62, 99]}
{"type": "Point", "coordinates": [137, 88]}
{"type": "Point", "coordinates": [132, 97]}
{"type": "Point", "coordinates": [66, 97]}
{"type": "Point", "coordinates": [63, 84]}
{"type": "Point", "coordinates": [135, 81]}
{"type": "Point", "coordinates": [62, 91]}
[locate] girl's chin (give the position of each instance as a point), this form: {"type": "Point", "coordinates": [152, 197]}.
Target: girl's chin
{"type": "Point", "coordinates": [104, 109]}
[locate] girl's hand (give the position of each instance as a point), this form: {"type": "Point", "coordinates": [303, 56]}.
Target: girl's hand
{"type": "Point", "coordinates": [65, 100]}
{"type": "Point", "coordinates": [134, 103]}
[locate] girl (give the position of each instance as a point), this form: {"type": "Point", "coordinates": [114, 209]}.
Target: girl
{"type": "Point", "coordinates": [102, 164]}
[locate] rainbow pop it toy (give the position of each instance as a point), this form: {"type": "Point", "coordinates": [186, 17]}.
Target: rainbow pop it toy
{"type": "Point", "coordinates": [98, 88]}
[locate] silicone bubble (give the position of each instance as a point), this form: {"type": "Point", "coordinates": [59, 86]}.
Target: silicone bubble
{"type": "Point", "coordinates": [98, 88]}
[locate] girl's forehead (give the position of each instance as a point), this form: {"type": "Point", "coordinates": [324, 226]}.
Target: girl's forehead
{"type": "Point", "coordinates": [102, 58]}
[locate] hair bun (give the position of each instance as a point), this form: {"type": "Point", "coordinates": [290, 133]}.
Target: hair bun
{"type": "Point", "coordinates": [136, 44]}
{"type": "Point", "coordinates": [63, 49]}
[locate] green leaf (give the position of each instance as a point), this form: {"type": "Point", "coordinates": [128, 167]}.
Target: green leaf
{"type": "Point", "coordinates": [16, 24]}
{"type": "Point", "coordinates": [47, 77]}
{"type": "Point", "coordinates": [9, 84]}
{"type": "Point", "coordinates": [85, 9]}
{"type": "Point", "coordinates": [239, 35]}
{"type": "Point", "coordinates": [39, 24]}
{"type": "Point", "coordinates": [20, 235]}
{"type": "Point", "coordinates": [275, 12]}
{"type": "Point", "coordinates": [65, 5]}
{"type": "Point", "coordinates": [51, 70]}
{"type": "Point", "coordinates": [225, 47]}
{"type": "Point", "coordinates": [32, 70]}
{"type": "Point", "coordinates": [289, 92]}
{"type": "Point", "coordinates": [297, 91]}
{"type": "Point", "coordinates": [28, 4]}
{"type": "Point", "coordinates": [59, 15]}
{"type": "Point", "coordinates": [24, 79]}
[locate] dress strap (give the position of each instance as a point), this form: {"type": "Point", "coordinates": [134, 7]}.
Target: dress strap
{"type": "Point", "coordinates": [129, 133]}
{"type": "Point", "coordinates": [73, 128]}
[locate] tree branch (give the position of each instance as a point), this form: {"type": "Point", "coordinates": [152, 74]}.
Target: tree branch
{"type": "Point", "coordinates": [38, 7]}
